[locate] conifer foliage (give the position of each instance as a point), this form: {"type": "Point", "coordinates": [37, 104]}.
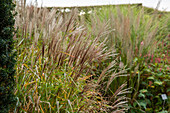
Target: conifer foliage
{"type": "Point", "coordinates": [7, 56]}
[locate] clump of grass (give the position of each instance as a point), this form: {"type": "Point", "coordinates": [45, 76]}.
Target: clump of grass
{"type": "Point", "coordinates": [56, 59]}
{"type": "Point", "coordinates": [135, 34]}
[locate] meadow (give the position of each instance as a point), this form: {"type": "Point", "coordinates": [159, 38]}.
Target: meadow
{"type": "Point", "coordinates": [113, 59]}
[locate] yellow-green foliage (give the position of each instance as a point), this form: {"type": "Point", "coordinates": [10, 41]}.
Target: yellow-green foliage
{"type": "Point", "coordinates": [55, 63]}
{"type": "Point", "coordinates": [67, 62]}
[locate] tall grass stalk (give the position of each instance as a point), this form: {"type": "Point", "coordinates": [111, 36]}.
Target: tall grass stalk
{"type": "Point", "coordinates": [134, 33]}
{"type": "Point", "coordinates": [55, 63]}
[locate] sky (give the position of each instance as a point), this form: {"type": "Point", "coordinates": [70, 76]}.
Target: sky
{"type": "Point", "coordinates": [165, 4]}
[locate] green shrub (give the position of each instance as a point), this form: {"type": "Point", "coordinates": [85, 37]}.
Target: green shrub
{"type": "Point", "coordinates": [7, 56]}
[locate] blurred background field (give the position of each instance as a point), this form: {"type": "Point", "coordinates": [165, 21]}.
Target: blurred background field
{"type": "Point", "coordinates": [164, 6]}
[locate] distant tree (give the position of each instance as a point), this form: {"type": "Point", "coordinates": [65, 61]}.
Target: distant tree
{"type": "Point", "coordinates": [7, 56]}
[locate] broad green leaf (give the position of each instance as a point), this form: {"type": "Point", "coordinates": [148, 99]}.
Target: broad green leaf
{"type": "Point", "coordinates": [141, 95]}
{"type": "Point", "coordinates": [151, 78]}
{"type": "Point", "coordinates": [143, 90]}
{"type": "Point", "coordinates": [158, 82]}
{"type": "Point", "coordinates": [168, 90]}
{"type": "Point", "coordinates": [143, 104]}
{"type": "Point", "coordinates": [163, 111]}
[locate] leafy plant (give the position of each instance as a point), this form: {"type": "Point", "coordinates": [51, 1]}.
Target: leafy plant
{"type": "Point", "coordinates": [7, 56]}
{"type": "Point", "coordinates": [155, 82]}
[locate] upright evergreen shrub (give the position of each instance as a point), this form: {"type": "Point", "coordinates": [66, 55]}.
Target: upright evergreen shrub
{"type": "Point", "coordinates": [7, 56]}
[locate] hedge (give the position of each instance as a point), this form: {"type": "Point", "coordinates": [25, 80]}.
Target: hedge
{"type": "Point", "coordinates": [7, 56]}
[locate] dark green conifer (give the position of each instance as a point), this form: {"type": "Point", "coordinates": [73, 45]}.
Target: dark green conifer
{"type": "Point", "coordinates": [7, 56]}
